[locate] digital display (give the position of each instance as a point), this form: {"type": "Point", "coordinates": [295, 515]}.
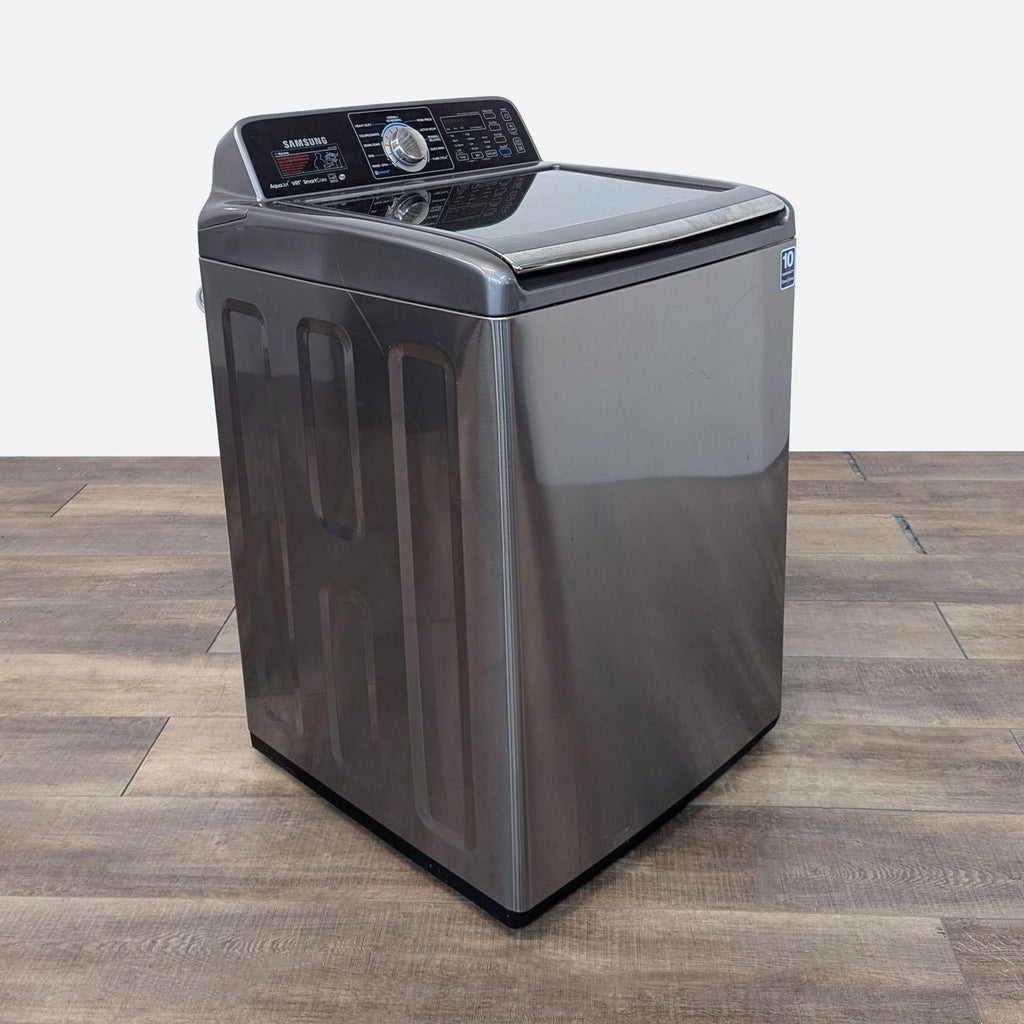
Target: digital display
{"type": "Point", "coordinates": [292, 162]}
{"type": "Point", "coordinates": [463, 123]}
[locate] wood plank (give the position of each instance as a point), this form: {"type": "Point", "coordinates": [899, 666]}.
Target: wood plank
{"type": "Point", "coordinates": [381, 962]}
{"type": "Point", "coordinates": [726, 858]}
{"type": "Point", "coordinates": [970, 533]}
{"type": "Point", "coordinates": [67, 756]}
{"type": "Point", "coordinates": [42, 499]}
{"type": "Point", "coordinates": [909, 577]}
{"type": "Point", "coordinates": [988, 630]}
{"type": "Point", "coordinates": [113, 535]}
{"type": "Point", "coordinates": [104, 469]}
{"type": "Point", "coordinates": [214, 757]}
{"type": "Point", "coordinates": [188, 499]}
{"type": "Point", "coordinates": [834, 860]}
{"type": "Point", "coordinates": [897, 767]}
{"type": "Point", "coordinates": [894, 691]}
{"type": "Point", "coordinates": [878, 629]}
{"type": "Point", "coordinates": [241, 847]}
{"type": "Point", "coordinates": [941, 465]}
{"type": "Point", "coordinates": [119, 624]}
{"type": "Point", "coordinates": [904, 497]}
{"type": "Point", "coordinates": [226, 641]}
{"type": "Point", "coordinates": [819, 466]}
{"type": "Point", "coordinates": [835, 534]}
{"type": "Point", "coordinates": [991, 956]}
{"type": "Point", "coordinates": [120, 684]}
{"type": "Point", "coordinates": [99, 577]}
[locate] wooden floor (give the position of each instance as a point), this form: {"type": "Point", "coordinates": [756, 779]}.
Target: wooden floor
{"type": "Point", "coordinates": [864, 864]}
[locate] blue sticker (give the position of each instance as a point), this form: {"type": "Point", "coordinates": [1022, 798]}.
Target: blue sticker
{"type": "Point", "coordinates": [787, 268]}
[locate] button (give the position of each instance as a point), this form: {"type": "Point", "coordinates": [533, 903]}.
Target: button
{"type": "Point", "coordinates": [520, 148]}
{"type": "Point", "coordinates": [491, 153]}
{"type": "Point", "coordinates": [504, 151]}
{"type": "Point", "coordinates": [506, 115]}
{"type": "Point", "coordinates": [511, 129]}
{"type": "Point", "coordinates": [459, 155]}
{"type": "Point", "coordinates": [488, 115]}
{"type": "Point", "coordinates": [477, 155]}
{"type": "Point", "coordinates": [493, 126]}
{"type": "Point", "coordinates": [500, 140]}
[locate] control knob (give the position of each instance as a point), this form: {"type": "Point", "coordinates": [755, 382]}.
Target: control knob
{"type": "Point", "coordinates": [405, 147]}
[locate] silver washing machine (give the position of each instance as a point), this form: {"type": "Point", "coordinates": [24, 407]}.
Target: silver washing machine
{"type": "Point", "coordinates": [505, 447]}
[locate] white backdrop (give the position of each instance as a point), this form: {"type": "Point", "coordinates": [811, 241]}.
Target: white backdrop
{"type": "Point", "coordinates": [894, 128]}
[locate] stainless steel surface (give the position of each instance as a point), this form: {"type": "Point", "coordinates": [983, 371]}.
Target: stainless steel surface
{"type": "Point", "coordinates": [563, 253]}
{"type": "Point", "coordinates": [199, 300]}
{"type": "Point", "coordinates": [392, 689]}
{"type": "Point", "coordinates": [651, 430]}
{"type": "Point", "coordinates": [405, 147]}
{"type": "Point", "coordinates": [510, 586]}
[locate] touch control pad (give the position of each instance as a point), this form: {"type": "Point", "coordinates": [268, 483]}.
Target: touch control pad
{"type": "Point", "coordinates": [303, 154]}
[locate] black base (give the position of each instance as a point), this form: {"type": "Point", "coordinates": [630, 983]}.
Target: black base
{"type": "Point", "coordinates": [512, 918]}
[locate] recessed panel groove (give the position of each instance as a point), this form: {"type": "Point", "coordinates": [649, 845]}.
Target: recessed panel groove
{"type": "Point", "coordinates": [350, 677]}
{"type": "Point", "coordinates": [427, 490]}
{"type": "Point", "coordinates": [331, 427]}
{"type": "Point", "coordinates": [265, 616]}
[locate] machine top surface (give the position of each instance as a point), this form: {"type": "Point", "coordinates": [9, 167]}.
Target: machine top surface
{"type": "Point", "coordinates": [451, 182]}
{"type": "Point", "coordinates": [504, 211]}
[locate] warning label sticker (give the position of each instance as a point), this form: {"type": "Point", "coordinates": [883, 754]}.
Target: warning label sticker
{"type": "Point", "coordinates": [291, 162]}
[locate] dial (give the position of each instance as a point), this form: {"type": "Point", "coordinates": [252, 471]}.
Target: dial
{"type": "Point", "coordinates": [405, 147]}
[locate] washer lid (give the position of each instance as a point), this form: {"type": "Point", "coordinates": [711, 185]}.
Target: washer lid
{"type": "Point", "coordinates": [549, 217]}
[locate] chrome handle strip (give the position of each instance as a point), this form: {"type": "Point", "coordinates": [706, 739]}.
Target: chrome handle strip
{"type": "Point", "coordinates": [547, 256]}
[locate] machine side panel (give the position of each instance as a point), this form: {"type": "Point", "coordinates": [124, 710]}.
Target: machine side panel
{"type": "Point", "coordinates": [651, 460]}
{"type": "Point", "coordinates": [380, 418]}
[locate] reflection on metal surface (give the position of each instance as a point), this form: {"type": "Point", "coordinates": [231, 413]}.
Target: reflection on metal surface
{"type": "Point", "coordinates": [331, 427]}
{"type": "Point", "coordinates": [455, 206]}
{"type": "Point", "coordinates": [505, 446]}
{"type": "Point", "coordinates": [350, 678]}
{"type": "Point", "coordinates": [547, 257]}
{"type": "Point", "coordinates": [409, 208]}
{"type": "Point", "coordinates": [426, 453]}
{"type": "Point", "coordinates": [265, 618]}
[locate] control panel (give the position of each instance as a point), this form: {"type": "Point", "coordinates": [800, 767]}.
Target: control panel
{"type": "Point", "coordinates": [322, 151]}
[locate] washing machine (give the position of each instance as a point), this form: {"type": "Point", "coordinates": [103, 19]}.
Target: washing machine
{"type": "Point", "coordinates": [504, 446]}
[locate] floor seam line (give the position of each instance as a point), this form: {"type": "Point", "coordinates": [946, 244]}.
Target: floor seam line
{"type": "Point", "coordinates": [149, 750]}
{"type": "Point", "coordinates": [854, 467]}
{"type": "Point", "coordinates": [960, 968]}
{"type": "Point", "coordinates": [68, 502]}
{"type": "Point", "coordinates": [854, 807]}
{"type": "Point", "coordinates": [908, 532]}
{"type": "Point", "coordinates": [1016, 739]}
{"type": "Point", "coordinates": [942, 615]}
{"type": "Point", "coordinates": [695, 908]}
{"type": "Point", "coordinates": [216, 636]}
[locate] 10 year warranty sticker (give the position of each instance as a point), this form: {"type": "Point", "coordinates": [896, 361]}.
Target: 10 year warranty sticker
{"type": "Point", "coordinates": [787, 268]}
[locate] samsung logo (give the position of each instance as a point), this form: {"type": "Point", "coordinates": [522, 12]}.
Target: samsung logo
{"type": "Point", "coordinates": [317, 140]}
